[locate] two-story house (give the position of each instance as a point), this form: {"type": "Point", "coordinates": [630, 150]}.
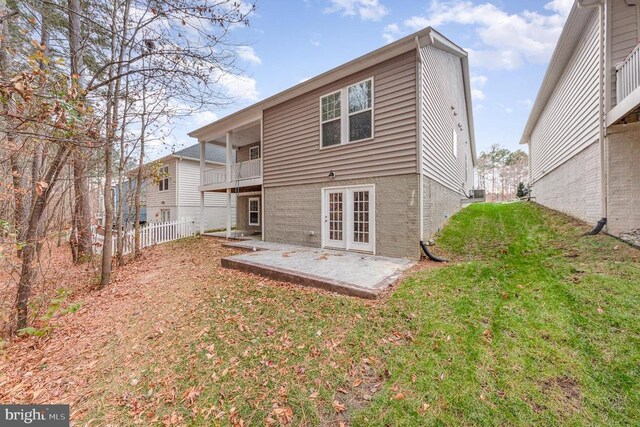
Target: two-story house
{"type": "Point", "coordinates": [584, 130]}
{"type": "Point", "coordinates": [372, 156]}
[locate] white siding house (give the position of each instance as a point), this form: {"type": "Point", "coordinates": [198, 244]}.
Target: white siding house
{"type": "Point", "coordinates": [176, 195]}
{"type": "Point", "coordinates": [583, 138]}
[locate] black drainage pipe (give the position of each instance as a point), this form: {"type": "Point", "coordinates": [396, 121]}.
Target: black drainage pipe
{"type": "Point", "coordinates": [598, 228]}
{"type": "Point", "coordinates": [429, 255]}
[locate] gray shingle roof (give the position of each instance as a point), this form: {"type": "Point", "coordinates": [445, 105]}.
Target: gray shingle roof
{"type": "Point", "coordinates": [213, 153]}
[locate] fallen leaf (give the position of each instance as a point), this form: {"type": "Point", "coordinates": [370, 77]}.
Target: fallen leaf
{"type": "Point", "coordinates": [338, 407]}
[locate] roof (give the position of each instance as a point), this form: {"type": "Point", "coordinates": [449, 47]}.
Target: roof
{"type": "Point", "coordinates": [427, 36]}
{"type": "Point", "coordinates": [567, 43]}
{"type": "Point", "coordinates": [213, 153]}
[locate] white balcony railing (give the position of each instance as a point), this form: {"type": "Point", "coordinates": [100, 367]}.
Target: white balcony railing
{"type": "Point", "coordinates": [628, 75]}
{"type": "Point", "coordinates": [237, 172]}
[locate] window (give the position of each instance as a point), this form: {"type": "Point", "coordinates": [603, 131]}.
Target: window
{"type": "Point", "coordinates": [360, 111]}
{"type": "Point", "coordinates": [165, 215]}
{"type": "Point", "coordinates": [254, 152]}
{"type": "Point", "coordinates": [347, 115]}
{"type": "Point", "coordinates": [163, 184]}
{"type": "Point", "coordinates": [455, 144]}
{"type": "Point", "coordinates": [254, 211]}
{"type": "Point", "coordinates": [331, 120]}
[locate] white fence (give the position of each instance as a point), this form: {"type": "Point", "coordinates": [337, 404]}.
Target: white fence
{"type": "Point", "coordinates": [628, 75]}
{"type": "Point", "coordinates": [151, 234]}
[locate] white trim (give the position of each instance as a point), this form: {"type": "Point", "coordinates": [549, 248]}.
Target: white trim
{"type": "Point", "coordinates": [253, 199]}
{"type": "Point", "coordinates": [345, 115]}
{"type": "Point", "coordinates": [261, 186]}
{"type": "Point", "coordinates": [349, 245]}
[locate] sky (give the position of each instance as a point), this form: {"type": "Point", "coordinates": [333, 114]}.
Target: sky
{"type": "Point", "coordinates": [288, 41]}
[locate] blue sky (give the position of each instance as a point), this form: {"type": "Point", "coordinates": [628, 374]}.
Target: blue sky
{"type": "Point", "coordinates": [510, 43]}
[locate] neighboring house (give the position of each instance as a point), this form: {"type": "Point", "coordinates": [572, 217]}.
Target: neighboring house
{"type": "Point", "coordinates": [372, 156]}
{"type": "Point", "coordinates": [583, 132]}
{"type": "Point", "coordinates": [175, 196]}
{"type": "Point", "coordinates": [128, 205]}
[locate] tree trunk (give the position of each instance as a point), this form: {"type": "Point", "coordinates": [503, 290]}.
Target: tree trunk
{"type": "Point", "coordinates": [143, 131]}
{"type": "Point", "coordinates": [27, 273]}
{"type": "Point", "coordinates": [81, 242]}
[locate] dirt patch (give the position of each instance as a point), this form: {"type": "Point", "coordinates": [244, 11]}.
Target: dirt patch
{"type": "Point", "coordinates": [565, 391]}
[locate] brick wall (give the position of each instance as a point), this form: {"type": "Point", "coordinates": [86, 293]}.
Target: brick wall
{"type": "Point", "coordinates": [574, 187]}
{"type": "Point", "coordinates": [624, 182]}
{"type": "Point", "coordinates": [440, 203]}
{"type": "Point", "coordinates": [293, 214]}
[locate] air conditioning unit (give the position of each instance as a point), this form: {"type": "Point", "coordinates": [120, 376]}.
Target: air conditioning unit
{"type": "Point", "coordinates": [477, 194]}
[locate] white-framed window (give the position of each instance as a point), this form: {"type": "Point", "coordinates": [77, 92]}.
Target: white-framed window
{"type": "Point", "coordinates": [254, 211]}
{"type": "Point", "coordinates": [455, 144]}
{"type": "Point", "coordinates": [165, 215]}
{"type": "Point", "coordinates": [163, 184]}
{"type": "Point", "coordinates": [331, 119]}
{"type": "Point", "coordinates": [347, 115]}
{"type": "Point", "coordinates": [254, 152]}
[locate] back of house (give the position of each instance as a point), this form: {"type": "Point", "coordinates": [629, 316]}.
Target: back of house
{"type": "Point", "coordinates": [372, 156]}
{"type": "Point", "coordinates": [584, 130]}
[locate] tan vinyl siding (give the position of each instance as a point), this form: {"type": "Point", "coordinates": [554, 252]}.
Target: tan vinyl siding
{"type": "Point", "coordinates": [442, 88]}
{"type": "Point", "coordinates": [625, 35]}
{"type": "Point", "coordinates": [569, 122]}
{"type": "Point", "coordinates": [242, 155]}
{"type": "Point", "coordinates": [292, 153]}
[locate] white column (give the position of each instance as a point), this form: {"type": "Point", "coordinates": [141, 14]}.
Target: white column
{"type": "Point", "coordinates": [202, 168]}
{"type": "Point", "coordinates": [201, 213]}
{"type": "Point", "coordinates": [228, 213]}
{"type": "Point", "coordinates": [229, 157]}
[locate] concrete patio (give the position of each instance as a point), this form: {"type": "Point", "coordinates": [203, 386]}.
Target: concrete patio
{"type": "Point", "coordinates": [347, 273]}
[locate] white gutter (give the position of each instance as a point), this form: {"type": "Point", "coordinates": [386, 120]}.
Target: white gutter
{"type": "Point", "coordinates": [604, 152]}
{"type": "Point", "coordinates": [420, 166]}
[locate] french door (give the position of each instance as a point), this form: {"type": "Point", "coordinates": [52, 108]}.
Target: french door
{"type": "Point", "coordinates": [348, 216]}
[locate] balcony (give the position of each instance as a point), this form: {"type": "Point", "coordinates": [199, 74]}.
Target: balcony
{"type": "Point", "coordinates": [627, 90]}
{"type": "Point", "coordinates": [235, 175]}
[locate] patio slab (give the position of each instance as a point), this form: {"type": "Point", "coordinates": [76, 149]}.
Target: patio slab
{"type": "Point", "coordinates": [347, 273]}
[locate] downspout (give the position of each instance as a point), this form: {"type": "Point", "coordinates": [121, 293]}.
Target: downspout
{"type": "Point", "coordinates": [604, 157]}
{"type": "Point", "coordinates": [420, 166]}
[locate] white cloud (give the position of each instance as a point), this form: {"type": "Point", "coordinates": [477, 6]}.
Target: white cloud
{"type": "Point", "coordinates": [367, 10]}
{"type": "Point", "coordinates": [315, 43]}
{"type": "Point", "coordinates": [563, 7]}
{"type": "Point", "coordinates": [246, 53]}
{"type": "Point", "coordinates": [477, 85]}
{"type": "Point", "coordinates": [506, 41]}
{"type": "Point", "coordinates": [202, 118]}
{"type": "Point", "coordinates": [391, 33]}
{"type": "Point", "coordinates": [239, 87]}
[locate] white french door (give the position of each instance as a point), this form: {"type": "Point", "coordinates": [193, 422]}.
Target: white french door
{"type": "Point", "coordinates": [348, 215]}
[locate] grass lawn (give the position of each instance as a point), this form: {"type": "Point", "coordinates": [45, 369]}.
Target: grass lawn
{"type": "Point", "coordinates": [531, 324]}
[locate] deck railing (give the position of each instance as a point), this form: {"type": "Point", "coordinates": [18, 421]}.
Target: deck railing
{"type": "Point", "coordinates": [242, 171]}
{"type": "Point", "coordinates": [628, 75]}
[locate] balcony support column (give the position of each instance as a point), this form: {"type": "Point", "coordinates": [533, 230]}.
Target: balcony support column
{"type": "Point", "coordinates": [201, 213]}
{"type": "Point", "coordinates": [229, 159]}
{"type": "Point", "coordinates": [228, 234]}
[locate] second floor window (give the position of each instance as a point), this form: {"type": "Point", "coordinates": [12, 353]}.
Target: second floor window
{"type": "Point", "coordinates": [347, 115]}
{"type": "Point", "coordinates": [254, 152]}
{"type": "Point", "coordinates": [163, 184]}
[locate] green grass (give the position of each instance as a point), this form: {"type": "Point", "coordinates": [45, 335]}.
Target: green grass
{"type": "Point", "coordinates": [531, 325]}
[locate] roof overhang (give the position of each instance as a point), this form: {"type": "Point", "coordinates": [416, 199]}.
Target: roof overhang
{"type": "Point", "coordinates": [571, 35]}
